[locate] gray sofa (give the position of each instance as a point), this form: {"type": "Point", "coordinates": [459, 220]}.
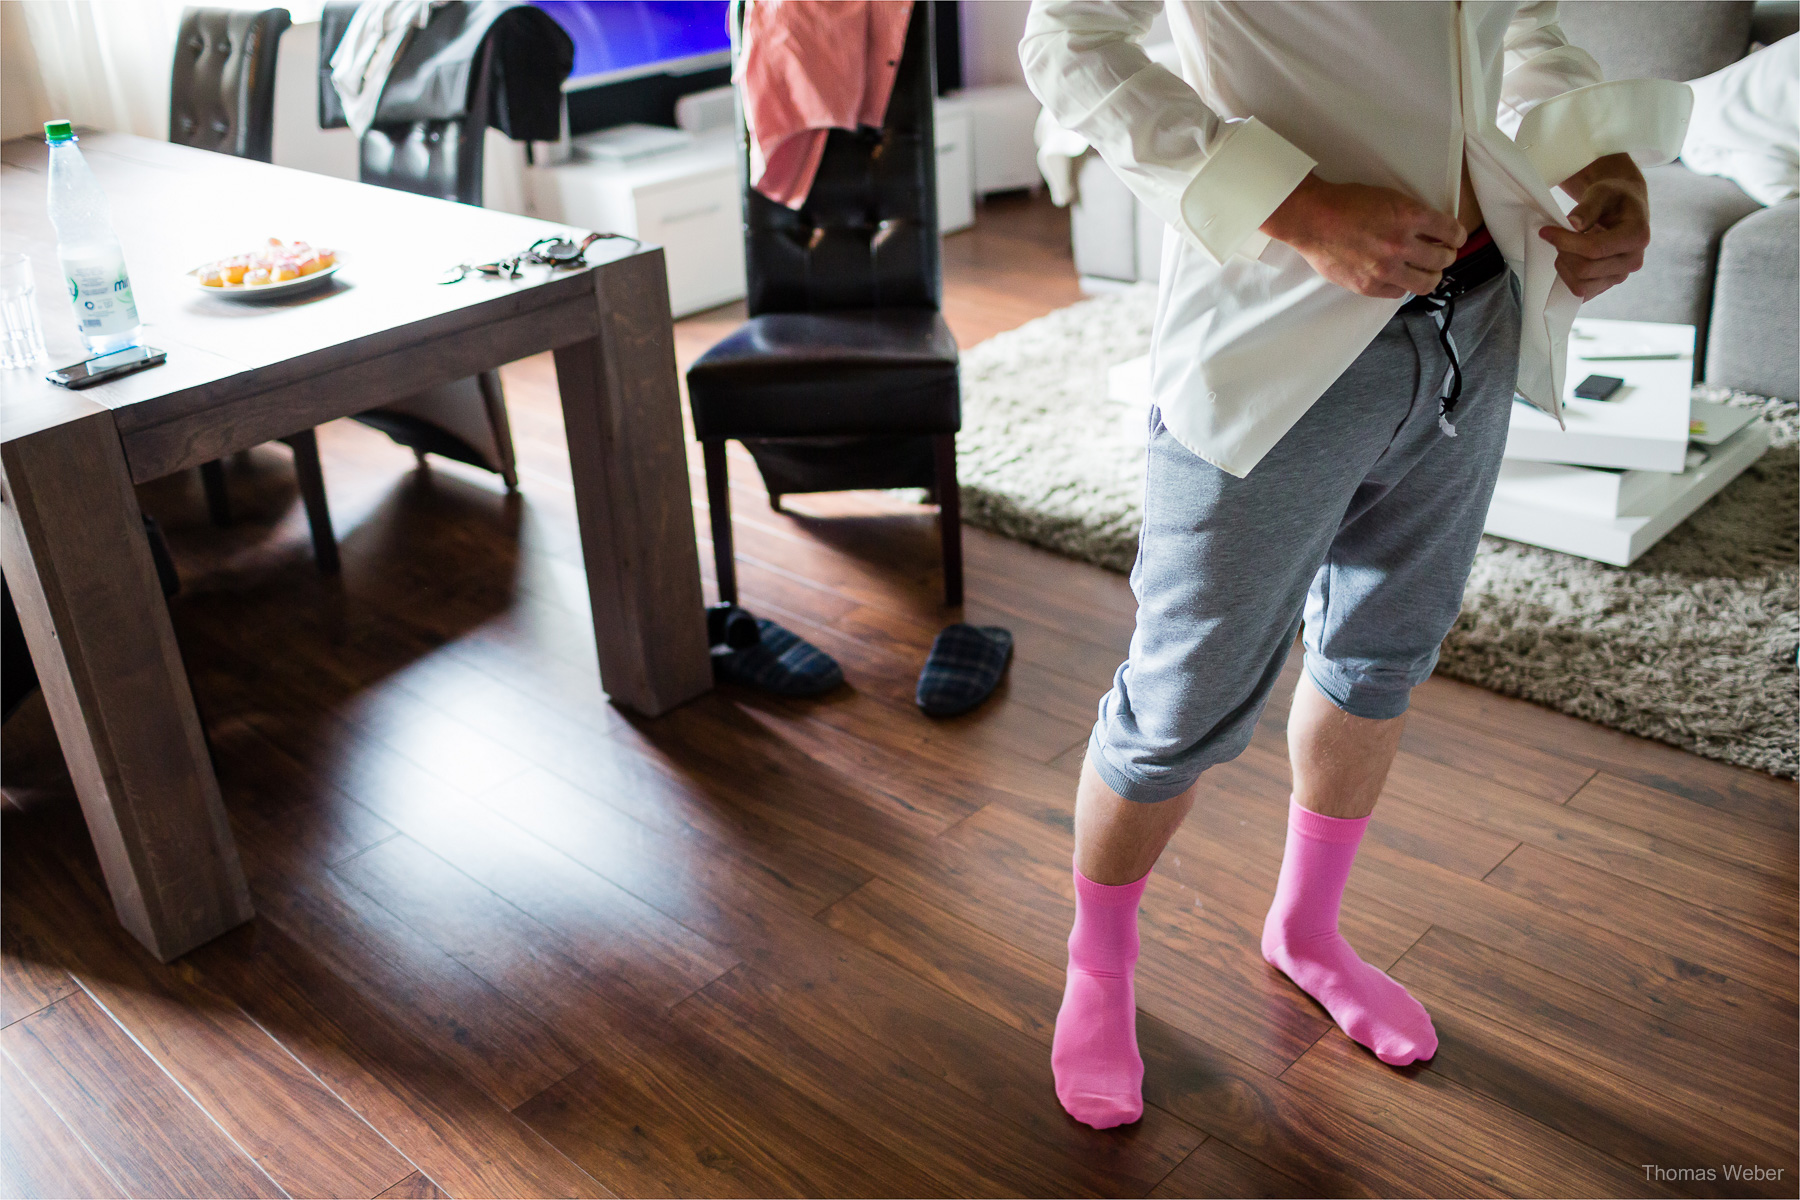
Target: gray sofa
{"type": "Point", "coordinates": [1718, 260]}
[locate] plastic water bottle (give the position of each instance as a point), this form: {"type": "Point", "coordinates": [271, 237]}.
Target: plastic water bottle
{"type": "Point", "coordinates": [92, 262]}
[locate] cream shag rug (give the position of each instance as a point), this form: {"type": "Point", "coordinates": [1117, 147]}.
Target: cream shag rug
{"type": "Point", "coordinates": [1693, 644]}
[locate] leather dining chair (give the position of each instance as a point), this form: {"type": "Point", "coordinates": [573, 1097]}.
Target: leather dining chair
{"type": "Point", "coordinates": [845, 375]}
{"type": "Point", "coordinates": [222, 98]}
{"type": "Point", "coordinates": [464, 420]}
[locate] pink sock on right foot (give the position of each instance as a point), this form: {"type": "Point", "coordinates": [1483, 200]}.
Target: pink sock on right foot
{"type": "Point", "coordinates": [1301, 938]}
{"type": "Point", "coordinates": [1099, 1074]}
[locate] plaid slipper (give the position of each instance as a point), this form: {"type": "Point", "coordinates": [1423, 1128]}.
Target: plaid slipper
{"type": "Point", "coordinates": [965, 666]}
{"type": "Point", "coordinates": [780, 663]}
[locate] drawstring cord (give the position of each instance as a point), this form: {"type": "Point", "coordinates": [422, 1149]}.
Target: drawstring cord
{"type": "Point", "coordinates": [1479, 262]}
{"type": "Point", "coordinates": [1443, 311]}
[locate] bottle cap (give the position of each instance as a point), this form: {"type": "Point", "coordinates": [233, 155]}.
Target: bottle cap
{"type": "Point", "coordinates": [59, 131]}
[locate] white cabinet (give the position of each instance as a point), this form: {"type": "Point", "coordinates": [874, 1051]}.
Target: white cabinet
{"type": "Point", "coordinates": [1115, 234]}
{"type": "Point", "coordinates": [1001, 119]}
{"type": "Point", "coordinates": [955, 181]}
{"type": "Point", "coordinates": [684, 200]}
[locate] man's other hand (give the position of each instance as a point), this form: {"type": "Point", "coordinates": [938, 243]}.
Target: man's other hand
{"type": "Point", "coordinates": [1373, 240]}
{"type": "Point", "coordinates": [1612, 226]}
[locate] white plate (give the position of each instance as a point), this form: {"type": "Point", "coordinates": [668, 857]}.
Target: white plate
{"type": "Point", "coordinates": [287, 287]}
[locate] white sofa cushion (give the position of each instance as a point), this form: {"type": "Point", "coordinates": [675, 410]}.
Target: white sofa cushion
{"type": "Point", "coordinates": [1746, 123]}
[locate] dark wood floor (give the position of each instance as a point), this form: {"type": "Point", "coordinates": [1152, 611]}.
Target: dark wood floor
{"type": "Point", "coordinates": [512, 942]}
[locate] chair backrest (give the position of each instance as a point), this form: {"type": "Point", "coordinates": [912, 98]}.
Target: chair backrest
{"type": "Point", "coordinates": [867, 236]}
{"type": "Point", "coordinates": [222, 89]}
{"type": "Point", "coordinates": [441, 158]}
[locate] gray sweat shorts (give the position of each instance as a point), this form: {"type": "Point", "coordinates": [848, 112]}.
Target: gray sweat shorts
{"type": "Point", "coordinates": [1363, 520]}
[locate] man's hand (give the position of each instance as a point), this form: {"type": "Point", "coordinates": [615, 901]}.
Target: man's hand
{"type": "Point", "coordinates": [1373, 240]}
{"type": "Point", "coordinates": [1612, 226]}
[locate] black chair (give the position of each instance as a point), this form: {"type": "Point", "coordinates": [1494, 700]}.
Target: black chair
{"type": "Point", "coordinates": [465, 420]}
{"type": "Point", "coordinates": [845, 376]}
{"type": "Point", "coordinates": [222, 98]}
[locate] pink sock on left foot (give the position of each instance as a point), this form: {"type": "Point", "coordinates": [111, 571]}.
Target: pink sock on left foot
{"type": "Point", "coordinates": [1099, 1073]}
{"type": "Point", "coordinates": [1301, 939]}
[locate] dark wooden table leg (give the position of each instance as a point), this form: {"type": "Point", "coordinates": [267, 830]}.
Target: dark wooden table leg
{"type": "Point", "coordinates": [622, 409]}
{"type": "Point", "coordinates": [74, 552]}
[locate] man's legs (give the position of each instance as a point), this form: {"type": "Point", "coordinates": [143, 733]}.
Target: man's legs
{"type": "Point", "coordinates": [1377, 514]}
{"type": "Point", "coordinates": [1099, 1073]}
{"type": "Point", "coordinates": [1117, 840]}
{"type": "Point", "coordinates": [1387, 593]}
{"type": "Point", "coordinates": [1339, 763]}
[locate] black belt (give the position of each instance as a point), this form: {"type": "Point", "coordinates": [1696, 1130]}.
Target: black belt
{"type": "Point", "coordinates": [1460, 278]}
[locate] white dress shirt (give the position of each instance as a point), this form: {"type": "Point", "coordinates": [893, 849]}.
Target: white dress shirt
{"type": "Point", "coordinates": [1398, 95]}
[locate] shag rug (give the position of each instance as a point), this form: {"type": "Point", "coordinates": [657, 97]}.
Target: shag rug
{"type": "Point", "coordinates": [1693, 644]}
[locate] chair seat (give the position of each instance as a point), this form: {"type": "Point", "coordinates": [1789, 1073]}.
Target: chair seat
{"type": "Point", "coordinates": [868, 371]}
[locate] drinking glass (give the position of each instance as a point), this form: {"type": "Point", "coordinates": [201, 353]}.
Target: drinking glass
{"type": "Point", "coordinates": [22, 340]}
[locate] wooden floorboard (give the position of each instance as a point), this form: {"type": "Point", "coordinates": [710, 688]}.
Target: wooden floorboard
{"type": "Point", "coordinates": [145, 1131]}
{"type": "Point", "coordinates": [512, 941]}
{"type": "Point", "coordinates": [39, 1154]}
{"type": "Point", "coordinates": [295, 1129]}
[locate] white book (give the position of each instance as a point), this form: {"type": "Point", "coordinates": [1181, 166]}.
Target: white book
{"type": "Point", "coordinates": [1605, 492]}
{"type": "Point", "coordinates": [1619, 540]}
{"type": "Point", "coordinates": [1713, 423]}
{"type": "Point", "coordinates": [1642, 426]}
{"type": "Point", "coordinates": [1609, 491]}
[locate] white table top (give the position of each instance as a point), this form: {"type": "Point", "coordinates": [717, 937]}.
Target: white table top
{"type": "Point", "coordinates": [1643, 426]}
{"type": "Point", "coordinates": [174, 208]}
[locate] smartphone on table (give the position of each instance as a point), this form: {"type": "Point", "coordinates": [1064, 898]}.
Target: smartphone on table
{"type": "Point", "coordinates": [1598, 387]}
{"type": "Point", "coordinates": [107, 366]}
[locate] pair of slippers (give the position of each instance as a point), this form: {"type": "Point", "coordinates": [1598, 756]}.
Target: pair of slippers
{"type": "Point", "coordinates": [963, 669]}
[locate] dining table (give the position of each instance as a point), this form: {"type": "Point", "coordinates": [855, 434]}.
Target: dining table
{"type": "Point", "coordinates": [384, 326]}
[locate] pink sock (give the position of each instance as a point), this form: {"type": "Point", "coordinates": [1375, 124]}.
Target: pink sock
{"type": "Point", "coordinates": [1300, 937]}
{"type": "Point", "coordinates": [1099, 1075]}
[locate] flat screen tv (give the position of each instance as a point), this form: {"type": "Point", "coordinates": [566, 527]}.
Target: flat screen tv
{"type": "Point", "coordinates": [616, 40]}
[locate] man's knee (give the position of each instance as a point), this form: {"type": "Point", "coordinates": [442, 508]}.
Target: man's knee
{"type": "Point", "coordinates": [1148, 767]}
{"type": "Point", "coordinates": [1375, 691]}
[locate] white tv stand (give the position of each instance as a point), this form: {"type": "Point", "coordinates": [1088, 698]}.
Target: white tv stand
{"type": "Point", "coordinates": [685, 200]}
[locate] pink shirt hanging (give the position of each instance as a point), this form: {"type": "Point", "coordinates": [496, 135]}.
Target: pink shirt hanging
{"type": "Point", "coordinates": [806, 67]}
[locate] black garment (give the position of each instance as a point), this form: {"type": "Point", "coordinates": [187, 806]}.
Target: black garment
{"type": "Point", "coordinates": [1461, 277]}
{"type": "Point", "coordinates": [434, 76]}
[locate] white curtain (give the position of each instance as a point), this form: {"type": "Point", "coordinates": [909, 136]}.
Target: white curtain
{"type": "Point", "coordinates": [105, 63]}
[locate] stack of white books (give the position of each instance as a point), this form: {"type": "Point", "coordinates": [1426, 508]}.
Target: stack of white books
{"type": "Point", "coordinates": [1628, 469]}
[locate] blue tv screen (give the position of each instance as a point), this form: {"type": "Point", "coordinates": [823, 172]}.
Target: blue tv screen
{"type": "Point", "coordinates": [618, 39]}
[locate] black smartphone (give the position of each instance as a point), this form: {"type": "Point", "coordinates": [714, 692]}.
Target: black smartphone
{"type": "Point", "coordinates": [1598, 387]}
{"type": "Point", "coordinates": [107, 366]}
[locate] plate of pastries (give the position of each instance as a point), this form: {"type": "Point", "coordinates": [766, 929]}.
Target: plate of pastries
{"type": "Point", "coordinates": [276, 268]}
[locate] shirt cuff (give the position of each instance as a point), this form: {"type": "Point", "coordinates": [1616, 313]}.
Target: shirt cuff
{"type": "Point", "coordinates": [1243, 181]}
{"type": "Point", "coordinates": [1645, 118]}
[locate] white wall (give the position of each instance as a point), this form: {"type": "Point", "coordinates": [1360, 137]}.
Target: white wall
{"type": "Point", "coordinates": [991, 30]}
{"type": "Point", "coordinates": [299, 142]}
{"type": "Point", "coordinates": [23, 105]}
